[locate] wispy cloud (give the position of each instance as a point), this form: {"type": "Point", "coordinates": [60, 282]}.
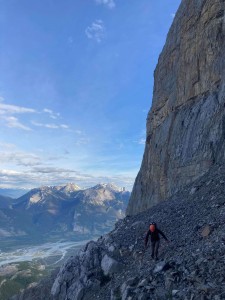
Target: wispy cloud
{"type": "Point", "coordinates": [64, 126]}
{"type": "Point", "coordinates": [31, 170]}
{"type": "Point", "coordinates": [172, 15]}
{"type": "Point", "coordinates": [14, 109]}
{"type": "Point", "coordinates": [141, 141]}
{"type": "Point", "coordinates": [82, 141]}
{"type": "Point", "coordinates": [38, 176]}
{"type": "Point", "coordinates": [7, 112]}
{"type": "Point", "coordinates": [19, 158]}
{"type": "Point", "coordinates": [48, 170]}
{"type": "Point", "coordinates": [13, 122]}
{"type": "Point", "coordinates": [7, 146]}
{"type": "Point", "coordinates": [108, 3]}
{"type": "Point", "coordinates": [96, 31]}
{"type": "Point", "coordinates": [51, 113]}
{"type": "Point", "coordinates": [9, 172]}
{"type": "Point", "coordinates": [50, 126]}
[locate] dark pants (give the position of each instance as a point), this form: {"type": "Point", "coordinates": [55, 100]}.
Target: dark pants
{"type": "Point", "coordinates": [155, 248]}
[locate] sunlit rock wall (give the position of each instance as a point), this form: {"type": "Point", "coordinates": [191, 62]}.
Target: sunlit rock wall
{"type": "Point", "coordinates": [186, 123]}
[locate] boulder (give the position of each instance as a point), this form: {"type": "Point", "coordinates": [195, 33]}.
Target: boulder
{"type": "Point", "coordinates": [110, 265]}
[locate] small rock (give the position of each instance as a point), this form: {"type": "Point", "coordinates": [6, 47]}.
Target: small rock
{"type": "Point", "coordinates": [150, 287]}
{"type": "Point", "coordinates": [111, 248]}
{"type": "Point", "coordinates": [193, 190]}
{"type": "Point", "coordinates": [205, 231]}
{"type": "Point", "coordinates": [144, 282]}
{"type": "Point", "coordinates": [174, 292]}
{"type": "Point", "coordinates": [132, 281]}
{"type": "Point", "coordinates": [131, 247]}
{"type": "Point", "coordinates": [159, 267]}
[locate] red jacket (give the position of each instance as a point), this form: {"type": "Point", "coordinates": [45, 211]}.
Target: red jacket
{"type": "Point", "coordinates": [154, 236]}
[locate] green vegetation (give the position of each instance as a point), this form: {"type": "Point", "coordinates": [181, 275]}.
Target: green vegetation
{"type": "Point", "coordinates": [21, 276]}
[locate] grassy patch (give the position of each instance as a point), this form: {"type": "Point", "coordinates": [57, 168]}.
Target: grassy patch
{"type": "Point", "coordinates": [27, 273]}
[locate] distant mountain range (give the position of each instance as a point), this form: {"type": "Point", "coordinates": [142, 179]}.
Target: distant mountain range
{"type": "Point", "coordinates": [63, 211]}
{"type": "Point", "coordinates": [13, 193]}
{"type": "Point", "coordinates": [5, 201]}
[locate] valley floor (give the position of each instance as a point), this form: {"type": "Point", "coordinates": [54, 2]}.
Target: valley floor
{"type": "Point", "coordinates": [23, 267]}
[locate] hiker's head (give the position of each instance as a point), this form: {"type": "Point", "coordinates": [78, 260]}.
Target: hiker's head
{"type": "Point", "coordinates": [152, 227]}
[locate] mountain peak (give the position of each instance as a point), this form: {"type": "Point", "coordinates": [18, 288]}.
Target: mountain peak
{"type": "Point", "coordinates": [108, 186]}
{"type": "Point", "coordinates": [69, 187]}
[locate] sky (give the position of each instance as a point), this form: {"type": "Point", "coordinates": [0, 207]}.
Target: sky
{"type": "Point", "coordinates": [76, 85]}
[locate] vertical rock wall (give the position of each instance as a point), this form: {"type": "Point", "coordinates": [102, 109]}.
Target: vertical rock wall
{"type": "Point", "coordinates": [186, 124]}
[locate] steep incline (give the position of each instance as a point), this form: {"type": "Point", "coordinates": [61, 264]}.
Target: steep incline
{"type": "Point", "coordinates": [186, 124]}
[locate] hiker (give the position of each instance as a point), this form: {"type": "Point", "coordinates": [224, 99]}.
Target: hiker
{"type": "Point", "coordinates": [155, 239]}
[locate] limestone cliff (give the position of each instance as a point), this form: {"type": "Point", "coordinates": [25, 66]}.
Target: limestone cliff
{"type": "Point", "coordinates": [186, 123]}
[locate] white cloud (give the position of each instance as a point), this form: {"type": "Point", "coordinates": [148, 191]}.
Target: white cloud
{"type": "Point", "coordinates": [9, 172]}
{"type": "Point", "coordinates": [46, 170]}
{"type": "Point", "coordinates": [109, 3]}
{"type": "Point", "coordinates": [51, 113]}
{"type": "Point", "coordinates": [29, 170]}
{"type": "Point", "coordinates": [19, 158]}
{"type": "Point", "coordinates": [82, 141]}
{"type": "Point", "coordinates": [7, 146]}
{"type": "Point", "coordinates": [64, 126]}
{"type": "Point", "coordinates": [13, 122]}
{"type": "Point", "coordinates": [14, 109]}
{"type": "Point", "coordinates": [96, 31]}
{"type": "Point", "coordinates": [7, 112]}
{"type": "Point", "coordinates": [141, 141]}
{"type": "Point", "coordinates": [50, 126]}
{"type": "Point", "coordinates": [172, 15]}
{"type": "Point", "coordinates": [39, 176]}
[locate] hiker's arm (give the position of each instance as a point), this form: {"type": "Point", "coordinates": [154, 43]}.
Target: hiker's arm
{"type": "Point", "coordinates": [146, 238]}
{"type": "Point", "coordinates": [163, 235]}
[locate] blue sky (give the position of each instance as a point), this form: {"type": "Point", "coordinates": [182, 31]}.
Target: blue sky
{"type": "Point", "coordinates": [76, 84]}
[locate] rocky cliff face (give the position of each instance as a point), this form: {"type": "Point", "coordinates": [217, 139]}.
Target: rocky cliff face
{"type": "Point", "coordinates": [186, 123]}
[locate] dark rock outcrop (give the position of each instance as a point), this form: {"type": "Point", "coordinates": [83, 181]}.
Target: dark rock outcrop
{"type": "Point", "coordinates": [186, 123]}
